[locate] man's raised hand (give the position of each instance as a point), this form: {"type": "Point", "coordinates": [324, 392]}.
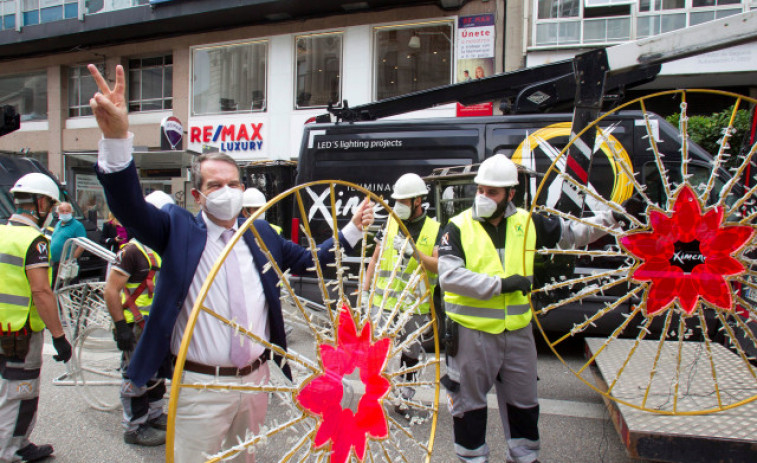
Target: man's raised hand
{"type": "Point", "coordinates": [109, 105]}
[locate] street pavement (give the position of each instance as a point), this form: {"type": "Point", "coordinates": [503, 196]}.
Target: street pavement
{"type": "Point", "coordinates": [574, 425]}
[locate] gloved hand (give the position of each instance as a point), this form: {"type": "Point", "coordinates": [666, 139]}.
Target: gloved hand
{"type": "Point", "coordinates": [63, 347]}
{"type": "Point", "coordinates": [125, 339]}
{"type": "Point", "coordinates": [403, 247]}
{"type": "Point", "coordinates": [634, 206]}
{"type": "Point", "coordinates": [622, 220]}
{"type": "Point", "coordinates": [364, 297]}
{"type": "Point", "coordinates": [516, 283]}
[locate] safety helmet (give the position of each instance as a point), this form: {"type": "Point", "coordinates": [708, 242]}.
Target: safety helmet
{"type": "Point", "coordinates": [37, 184]}
{"type": "Point", "coordinates": [497, 171]}
{"type": "Point", "coordinates": [159, 199]}
{"type": "Point", "coordinates": [253, 198]}
{"type": "Point", "coordinates": [409, 186]}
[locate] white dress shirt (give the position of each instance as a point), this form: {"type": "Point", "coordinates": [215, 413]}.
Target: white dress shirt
{"type": "Point", "coordinates": [211, 338]}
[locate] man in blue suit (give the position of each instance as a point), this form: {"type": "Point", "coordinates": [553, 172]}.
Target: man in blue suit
{"type": "Point", "coordinates": [190, 245]}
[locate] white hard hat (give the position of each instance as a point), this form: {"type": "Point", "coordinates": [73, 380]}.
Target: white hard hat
{"type": "Point", "coordinates": [409, 186]}
{"type": "Point", "coordinates": [159, 199]}
{"type": "Point", "coordinates": [37, 184]}
{"type": "Point", "coordinates": [253, 198]}
{"type": "Point", "coordinates": [498, 171]}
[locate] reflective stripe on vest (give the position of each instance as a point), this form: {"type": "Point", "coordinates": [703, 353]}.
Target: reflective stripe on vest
{"type": "Point", "coordinates": [509, 311]}
{"type": "Point", "coordinates": [16, 303]}
{"type": "Point", "coordinates": [425, 244]}
{"type": "Point", "coordinates": [144, 301]}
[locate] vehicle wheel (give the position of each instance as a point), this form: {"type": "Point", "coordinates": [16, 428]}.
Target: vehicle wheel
{"type": "Point", "coordinates": [673, 277]}
{"type": "Point", "coordinates": [347, 381]}
{"type": "Point", "coordinates": [96, 368]}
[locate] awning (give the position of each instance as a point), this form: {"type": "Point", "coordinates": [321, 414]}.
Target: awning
{"type": "Point", "coordinates": [144, 159]}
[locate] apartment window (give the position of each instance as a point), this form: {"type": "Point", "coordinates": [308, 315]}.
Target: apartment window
{"type": "Point", "coordinates": [707, 3]}
{"type": "Point", "coordinates": [229, 78]}
{"type": "Point", "coordinates": [81, 87]}
{"type": "Point", "coordinates": [319, 69]}
{"type": "Point", "coordinates": [7, 14]}
{"type": "Point", "coordinates": [27, 93]}
{"type": "Point", "coordinates": [151, 83]}
{"type": "Point", "coordinates": [709, 10]}
{"type": "Point", "coordinates": [553, 9]}
{"type": "Point", "coordinates": [412, 58]}
{"type": "Point", "coordinates": [565, 25]}
{"type": "Point", "coordinates": [42, 11]}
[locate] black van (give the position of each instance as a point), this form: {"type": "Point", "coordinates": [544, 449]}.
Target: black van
{"type": "Point", "coordinates": [14, 167]}
{"type": "Point", "coordinates": [374, 154]}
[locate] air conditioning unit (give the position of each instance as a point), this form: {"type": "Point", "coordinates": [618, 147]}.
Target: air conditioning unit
{"type": "Point", "coordinates": [451, 4]}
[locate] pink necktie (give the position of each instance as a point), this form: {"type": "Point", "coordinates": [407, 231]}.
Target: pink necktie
{"type": "Point", "coordinates": [240, 351]}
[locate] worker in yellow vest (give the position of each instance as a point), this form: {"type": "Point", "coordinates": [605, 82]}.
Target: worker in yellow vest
{"type": "Point", "coordinates": [27, 306]}
{"type": "Point", "coordinates": [486, 276]}
{"type": "Point", "coordinates": [409, 193]}
{"type": "Point", "coordinates": [252, 200]}
{"type": "Point", "coordinates": [128, 295]}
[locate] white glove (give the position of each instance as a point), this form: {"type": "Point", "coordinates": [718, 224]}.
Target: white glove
{"type": "Point", "coordinates": [398, 243]}
{"type": "Point", "coordinates": [68, 271]}
{"type": "Point", "coordinates": [364, 296]}
{"type": "Point", "coordinates": [403, 246]}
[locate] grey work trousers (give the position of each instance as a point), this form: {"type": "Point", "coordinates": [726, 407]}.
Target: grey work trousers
{"type": "Point", "coordinates": [140, 404]}
{"type": "Point", "coordinates": [19, 397]}
{"type": "Point", "coordinates": [506, 361]}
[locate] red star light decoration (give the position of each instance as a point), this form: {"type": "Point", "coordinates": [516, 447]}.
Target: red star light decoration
{"type": "Point", "coordinates": [687, 255]}
{"type": "Point", "coordinates": [322, 395]}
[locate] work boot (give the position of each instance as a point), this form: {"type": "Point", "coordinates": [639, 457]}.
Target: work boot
{"type": "Point", "coordinates": [160, 423]}
{"type": "Point", "coordinates": [145, 435]}
{"type": "Point", "coordinates": [34, 453]}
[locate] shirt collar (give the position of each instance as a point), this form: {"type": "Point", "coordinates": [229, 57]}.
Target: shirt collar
{"type": "Point", "coordinates": [215, 231]}
{"type": "Point", "coordinates": [25, 220]}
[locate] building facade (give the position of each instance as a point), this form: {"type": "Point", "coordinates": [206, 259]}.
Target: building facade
{"type": "Point", "coordinates": [243, 77]}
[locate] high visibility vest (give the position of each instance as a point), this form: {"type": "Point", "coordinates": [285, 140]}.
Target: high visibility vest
{"type": "Point", "coordinates": [16, 304]}
{"type": "Point", "coordinates": [389, 256]}
{"type": "Point", "coordinates": [510, 311]}
{"type": "Point", "coordinates": [143, 300]}
{"type": "Point", "coordinates": [276, 227]}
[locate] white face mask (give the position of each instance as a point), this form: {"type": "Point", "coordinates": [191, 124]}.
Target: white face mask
{"type": "Point", "coordinates": [224, 203]}
{"type": "Point", "coordinates": [65, 217]}
{"type": "Point", "coordinates": [483, 207]}
{"type": "Point", "coordinates": [403, 211]}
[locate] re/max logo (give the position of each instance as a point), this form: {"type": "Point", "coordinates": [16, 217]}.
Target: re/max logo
{"type": "Point", "coordinates": [209, 134]}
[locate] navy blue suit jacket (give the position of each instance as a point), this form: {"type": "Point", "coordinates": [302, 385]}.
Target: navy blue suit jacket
{"type": "Point", "coordinates": [179, 238]}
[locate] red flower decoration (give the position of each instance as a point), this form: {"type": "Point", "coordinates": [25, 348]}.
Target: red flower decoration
{"type": "Point", "coordinates": [322, 395]}
{"type": "Point", "coordinates": [687, 255]}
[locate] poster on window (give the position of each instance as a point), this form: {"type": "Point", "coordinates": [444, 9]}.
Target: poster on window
{"type": "Point", "coordinates": [91, 198]}
{"type": "Point", "coordinates": [475, 56]}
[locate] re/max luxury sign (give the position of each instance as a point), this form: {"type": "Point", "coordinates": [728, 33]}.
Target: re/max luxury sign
{"type": "Point", "coordinates": [228, 137]}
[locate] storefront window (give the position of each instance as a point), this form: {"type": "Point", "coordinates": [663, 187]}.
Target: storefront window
{"type": "Point", "coordinates": [27, 93]}
{"type": "Point", "coordinates": [81, 87]}
{"type": "Point", "coordinates": [319, 69]}
{"type": "Point", "coordinates": [151, 83]}
{"type": "Point", "coordinates": [412, 58]}
{"type": "Point", "coordinates": [229, 78]}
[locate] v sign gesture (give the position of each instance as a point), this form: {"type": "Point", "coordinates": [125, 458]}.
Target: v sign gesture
{"type": "Point", "coordinates": [109, 106]}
